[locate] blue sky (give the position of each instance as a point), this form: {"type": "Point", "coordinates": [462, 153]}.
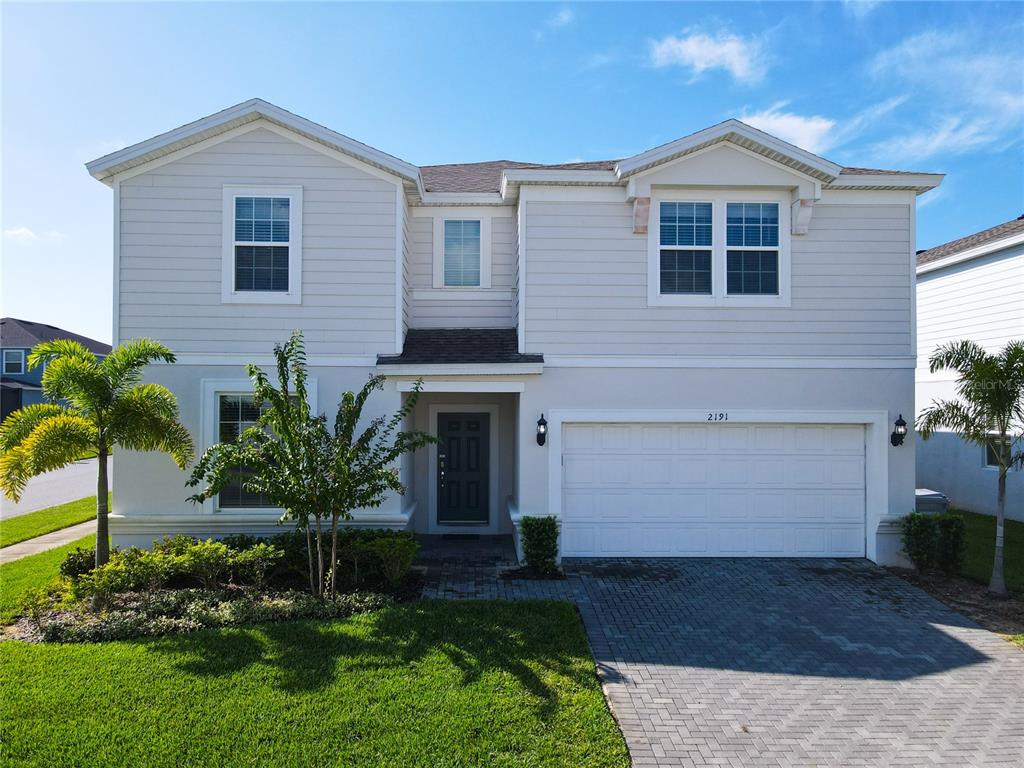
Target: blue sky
{"type": "Point", "coordinates": [917, 86]}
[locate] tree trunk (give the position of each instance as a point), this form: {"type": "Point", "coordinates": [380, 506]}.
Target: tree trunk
{"type": "Point", "coordinates": [309, 553]}
{"type": "Point", "coordinates": [334, 554]}
{"type": "Point", "coordinates": [102, 525]}
{"type": "Point", "coordinates": [998, 585]}
{"type": "Point", "coordinates": [319, 558]}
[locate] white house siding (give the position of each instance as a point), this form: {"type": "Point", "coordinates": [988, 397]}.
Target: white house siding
{"type": "Point", "coordinates": [815, 393]}
{"type": "Point", "coordinates": [149, 490]}
{"type": "Point", "coordinates": [982, 300]}
{"type": "Point", "coordinates": [586, 288]}
{"type": "Point", "coordinates": [462, 307]}
{"type": "Point", "coordinates": [170, 259]}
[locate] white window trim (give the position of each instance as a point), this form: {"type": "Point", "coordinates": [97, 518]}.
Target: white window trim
{"type": "Point", "coordinates": [718, 296]}
{"type": "Point", "coordinates": [984, 453]}
{"type": "Point", "coordinates": [485, 251]}
{"type": "Point", "coordinates": [21, 354]}
{"type": "Point", "coordinates": [209, 428]}
{"type": "Point", "coordinates": [228, 293]}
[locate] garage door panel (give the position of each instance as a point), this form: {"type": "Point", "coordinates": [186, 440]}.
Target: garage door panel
{"type": "Point", "coordinates": [713, 489]}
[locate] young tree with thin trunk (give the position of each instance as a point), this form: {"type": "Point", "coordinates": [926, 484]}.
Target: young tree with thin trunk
{"type": "Point", "coordinates": [989, 412]}
{"type": "Point", "coordinates": [318, 476]}
{"type": "Point", "coordinates": [93, 406]}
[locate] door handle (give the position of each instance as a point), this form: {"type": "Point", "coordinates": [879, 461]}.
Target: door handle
{"type": "Point", "coordinates": [440, 464]}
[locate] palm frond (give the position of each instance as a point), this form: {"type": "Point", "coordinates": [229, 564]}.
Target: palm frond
{"type": "Point", "coordinates": [960, 356]}
{"type": "Point", "coordinates": [46, 352]}
{"type": "Point", "coordinates": [78, 380]}
{"type": "Point", "coordinates": [145, 418]}
{"type": "Point", "coordinates": [54, 442]}
{"type": "Point", "coordinates": [124, 365]}
{"type": "Point", "coordinates": [19, 424]}
{"type": "Point", "coordinates": [970, 423]}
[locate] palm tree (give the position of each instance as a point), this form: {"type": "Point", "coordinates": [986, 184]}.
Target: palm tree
{"type": "Point", "coordinates": [94, 405]}
{"type": "Point", "coordinates": [989, 413]}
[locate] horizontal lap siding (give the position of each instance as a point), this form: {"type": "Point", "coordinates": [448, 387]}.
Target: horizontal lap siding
{"type": "Point", "coordinates": [171, 252]}
{"type": "Point", "coordinates": [440, 310]}
{"type": "Point", "coordinates": [587, 289]}
{"type": "Point", "coordinates": [981, 299]}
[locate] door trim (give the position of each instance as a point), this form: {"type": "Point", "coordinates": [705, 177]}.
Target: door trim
{"type": "Point", "coordinates": [492, 410]}
{"type": "Point", "coordinates": [876, 454]}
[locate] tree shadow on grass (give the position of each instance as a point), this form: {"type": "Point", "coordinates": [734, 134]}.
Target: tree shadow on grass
{"type": "Point", "coordinates": [540, 644]}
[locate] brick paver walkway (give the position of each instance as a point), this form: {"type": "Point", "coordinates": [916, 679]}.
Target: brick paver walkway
{"type": "Point", "coordinates": [781, 662]}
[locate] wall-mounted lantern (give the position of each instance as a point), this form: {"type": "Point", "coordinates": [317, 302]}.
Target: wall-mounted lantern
{"type": "Point", "coordinates": [899, 431]}
{"type": "Point", "coordinates": [542, 430]}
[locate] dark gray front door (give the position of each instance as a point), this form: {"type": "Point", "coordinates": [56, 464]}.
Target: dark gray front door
{"type": "Point", "coordinates": [463, 468]}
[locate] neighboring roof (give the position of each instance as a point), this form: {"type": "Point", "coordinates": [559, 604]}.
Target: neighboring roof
{"type": "Point", "coordinates": [233, 117]}
{"type": "Point", "coordinates": [8, 383]}
{"type": "Point", "coordinates": [15, 333]}
{"type": "Point", "coordinates": [444, 181]}
{"type": "Point", "coordinates": [459, 346]}
{"type": "Point", "coordinates": [991, 236]}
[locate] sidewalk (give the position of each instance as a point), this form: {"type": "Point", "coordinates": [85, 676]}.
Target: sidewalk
{"type": "Point", "coordinates": [46, 541]}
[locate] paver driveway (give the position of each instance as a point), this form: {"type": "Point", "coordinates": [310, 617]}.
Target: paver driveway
{"type": "Point", "coordinates": [783, 662]}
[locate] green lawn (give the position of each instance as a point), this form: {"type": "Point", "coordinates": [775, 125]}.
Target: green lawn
{"type": "Point", "coordinates": [981, 540]}
{"type": "Point", "coordinates": [431, 683]}
{"type": "Point", "coordinates": [34, 524]}
{"type": "Point", "coordinates": [19, 576]}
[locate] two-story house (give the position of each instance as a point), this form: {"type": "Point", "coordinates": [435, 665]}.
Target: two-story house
{"type": "Point", "coordinates": [20, 386]}
{"type": "Point", "coordinates": [698, 350]}
{"type": "Point", "coordinates": [970, 288]}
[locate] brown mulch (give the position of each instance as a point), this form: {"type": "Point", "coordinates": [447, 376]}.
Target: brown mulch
{"type": "Point", "coordinates": [1002, 615]}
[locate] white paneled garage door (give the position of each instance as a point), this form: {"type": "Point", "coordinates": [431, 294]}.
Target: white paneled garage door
{"type": "Point", "coordinates": [758, 490]}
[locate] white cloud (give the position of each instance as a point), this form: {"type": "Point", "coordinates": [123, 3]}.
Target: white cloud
{"type": "Point", "coordinates": [818, 133]}
{"type": "Point", "coordinates": [26, 235]}
{"type": "Point", "coordinates": [860, 8]}
{"type": "Point", "coordinates": [20, 234]}
{"type": "Point", "coordinates": [970, 97]}
{"type": "Point", "coordinates": [558, 20]}
{"type": "Point", "coordinates": [599, 60]}
{"type": "Point", "coordinates": [743, 58]}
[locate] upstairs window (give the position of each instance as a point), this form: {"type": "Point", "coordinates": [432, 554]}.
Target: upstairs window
{"type": "Point", "coordinates": [685, 238]}
{"type": "Point", "coordinates": [752, 249]}
{"type": "Point", "coordinates": [14, 361]}
{"type": "Point", "coordinates": [461, 253]}
{"type": "Point", "coordinates": [262, 245]}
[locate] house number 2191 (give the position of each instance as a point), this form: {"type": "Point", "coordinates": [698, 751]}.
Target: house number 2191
{"type": "Point", "coordinates": [721, 416]}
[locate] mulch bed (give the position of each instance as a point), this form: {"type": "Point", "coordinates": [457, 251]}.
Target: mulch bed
{"type": "Point", "coordinates": [1005, 616]}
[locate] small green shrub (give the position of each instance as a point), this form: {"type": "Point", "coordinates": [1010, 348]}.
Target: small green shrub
{"type": "Point", "coordinates": [252, 564]}
{"type": "Point", "coordinates": [78, 562]}
{"type": "Point", "coordinates": [175, 545]}
{"type": "Point", "coordinates": [540, 544]}
{"type": "Point", "coordinates": [102, 583]}
{"type": "Point", "coordinates": [934, 541]}
{"type": "Point", "coordinates": [207, 561]}
{"type": "Point", "coordinates": [395, 554]}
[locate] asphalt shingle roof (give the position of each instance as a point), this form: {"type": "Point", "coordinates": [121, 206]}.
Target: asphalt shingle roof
{"type": "Point", "coordinates": [454, 346]}
{"type": "Point", "coordinates": [15, 333]}
{"type": "Point", "coordinates": [997, 232]}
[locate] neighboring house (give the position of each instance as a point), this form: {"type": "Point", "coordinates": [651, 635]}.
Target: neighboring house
{"type": "Point", "coordinates": [19, 386]}
{"type": "Point", "coordinates": [718, 333]}
{"type": "Point", "coordinates": [971, 288]}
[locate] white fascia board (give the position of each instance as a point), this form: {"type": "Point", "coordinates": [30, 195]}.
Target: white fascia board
{"type": "Point", "coordinates": [512, 178]}
{"type": "Point", "coordinates": [668, 151]}
{"type": "Point", "coordinates": [109, 165]}
{"type": "Point", "coordinates": [919, 182]}
{"type": "Point", "coordinates": [460, 198]}
{"type": "Point", "coordinates": [461, 369]}
{"type": "Point", "coordinates": [715, 363]}
{"type": "Point", "coordinates": [972, 253]}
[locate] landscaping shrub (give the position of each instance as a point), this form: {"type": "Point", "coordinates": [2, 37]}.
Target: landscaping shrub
{"type": "Point", "coordinates": [251, 565]}
{"type": "Point", "coordinates": [188, 610]}
{"type": "Point", "coordinates": [78, 562]}
{"type": "Point", "coordinates": [934, 541]}
{"type": "Point", "coordinates": [540, 544]}
{"type": "Point", "coordinates": [395, 554]}
{"type": "Point", "coordinates": [175, 545]}
{"type": "Point", "coordinates": [206, 561]}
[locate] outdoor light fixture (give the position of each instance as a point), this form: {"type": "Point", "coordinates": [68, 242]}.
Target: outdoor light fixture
{"type": "Point", "coordinates": [900, 431]}
{"type": "Point", "coordinates": [542, 430]}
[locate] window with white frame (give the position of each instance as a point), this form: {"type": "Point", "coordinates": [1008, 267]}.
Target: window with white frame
{"type": "Point", "coordinates": [991, 459]}
{"type": "Point", "coordinates": [262, 244]}
{"type": "Point", "coordinates": [235, 414]}
{"type": "Point", "coordinates": [14, 361]}
{"type": "Point", "coordinates": [461, 253]}
{"type": "Point", "coordinates": [729, 250]}
{"type": "Point", "coordinates": [685, 239]}
{"type": "Point", "coordinates": [752, 248]}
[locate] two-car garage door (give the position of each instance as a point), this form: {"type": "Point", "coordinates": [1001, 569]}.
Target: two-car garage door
{"type": "Point", "coordinates": [718, 489]}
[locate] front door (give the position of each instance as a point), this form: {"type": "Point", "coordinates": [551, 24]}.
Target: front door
{"type": "Point", "coordinates": [463, 468]}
